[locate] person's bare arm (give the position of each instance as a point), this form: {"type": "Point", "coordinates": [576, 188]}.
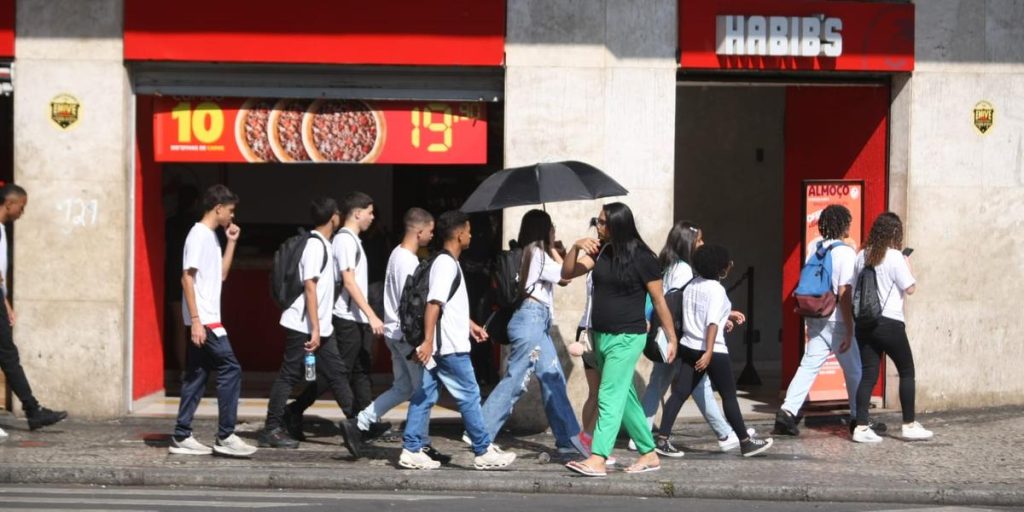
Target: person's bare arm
{"type": "Point", "coordinates": [352, 287]}
{"type": "Point", "coordinates": [709, 342]}
{"type": "Point", "coordinates": [232, 232]}
{"type": "Point", "coordinates": [312, 309]}
{"type": "Point", "coordinates": [580, 258]}
{"type": "Point", "coordinates": [188, 285]}
{"type": "Point", "coordinates": [426, 349]}
{"type": "Point", "coordinates": [846, 311]}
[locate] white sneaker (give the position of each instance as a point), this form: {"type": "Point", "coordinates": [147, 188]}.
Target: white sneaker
{"type": "Point", "coordinates": [417, 460]}
{"type": "Point", "coordinates": [916, 431]}
{"type": "Point", "coordinates": [3, 435]}
{"type": "Point", "coordinates": [864, 434]}
{"type": "Point", "coordinates": [631, 446]}
{"type": "Point", "coordinates": [731, 442]}
{"type": "Point", "coordinates": [493, 458]}
{"type": "Point", "coordinates": [466, 439]}
{"type": "Point", "coordinates": [233, 446]}
{"type": "Point", "coordinates": [190, 446]}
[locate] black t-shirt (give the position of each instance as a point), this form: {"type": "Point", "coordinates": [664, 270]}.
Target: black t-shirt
{"type": "Point", "coordinates": [619, 304]}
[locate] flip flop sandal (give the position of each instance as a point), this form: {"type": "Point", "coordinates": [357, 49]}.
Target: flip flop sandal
{"type": "Point", "coordinates": [584, 469]}
{"type": "Point", "coordinates": [643, 468]}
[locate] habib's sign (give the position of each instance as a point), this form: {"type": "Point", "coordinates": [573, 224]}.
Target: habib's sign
{"type": "Point", "coordinates": [796, 35]}
{"type": "Point", "coordinates": [791, 36]}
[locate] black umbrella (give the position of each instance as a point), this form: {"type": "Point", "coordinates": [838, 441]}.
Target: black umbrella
{"type": "Point", "coordinates": [542, 183]}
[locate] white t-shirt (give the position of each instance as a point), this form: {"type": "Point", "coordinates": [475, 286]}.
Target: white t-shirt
{"type": "Point", "coordinates": [347, 249]}
{"type": "Point", "coordinates": [892, 278]}
{"type": "Point", "coordinates": [202, 252]}
{"type": "Point", "coordinates": [677, 276]}
{"type": "Point", "coordinates": [454, 337]}
{"type": "Point", "coordinates": [3, 259]}
{"type": "Point", "coordinates": [312, 267]}
{"type": "Point", "coordinates": [843, 260]}
{"type": "Point", "coordinates": [705, 302]}
{"type": "Point", "coordinates": [543, 275]}
{"type": "Point", "coordinates": [401, 265]}
{"type": "Point", "coordinates": [585, 320]}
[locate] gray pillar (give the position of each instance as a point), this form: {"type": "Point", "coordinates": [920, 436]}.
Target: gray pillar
{"type": "Point", "coordinates": [591, 80]}
{"type": "Point", "coordinates": [71, 252]}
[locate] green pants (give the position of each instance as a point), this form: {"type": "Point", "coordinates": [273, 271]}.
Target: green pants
{"type": "Point", "coordinates": [617, 403]}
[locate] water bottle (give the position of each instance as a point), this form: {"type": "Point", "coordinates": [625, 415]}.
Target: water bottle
{"type": "Point", "coordinates": [310, 363]}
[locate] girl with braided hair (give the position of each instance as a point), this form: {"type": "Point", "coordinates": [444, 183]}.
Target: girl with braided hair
{"type": "Point", "coordinates": [893, 281]}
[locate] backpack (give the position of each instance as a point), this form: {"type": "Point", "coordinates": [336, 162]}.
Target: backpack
{"type": "Point", "coordinates": [866, 307]}
{"type": "Point", "coordinates": [507, 294]}
{"type": "Point", "coordinates": [285, 282]}
{"type": "Point", "coordinates": [412, 307]}
{"type": "Point", "coordinates": [814, 295]}
{"type": "Point", "coordinates": [674, 301]}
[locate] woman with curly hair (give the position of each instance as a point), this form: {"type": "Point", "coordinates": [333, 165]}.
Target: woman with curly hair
{"type": "Point", "coordinates": [888, 335]}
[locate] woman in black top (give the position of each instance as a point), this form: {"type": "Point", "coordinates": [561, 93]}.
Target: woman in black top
{"type": "Point", "coordinates": [625, 271]}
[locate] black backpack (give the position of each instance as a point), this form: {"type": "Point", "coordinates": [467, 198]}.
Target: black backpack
{"type": "Point", "coordinates": [412, 306]}
{"type": "Point", "coordinates": [285, 284]}
{"type": "Point", "coordinates": [674, 301]}
{"type": "Point", "coordinates": [866, 307]}
{"type": "Point", "coordinates": [507, 294]}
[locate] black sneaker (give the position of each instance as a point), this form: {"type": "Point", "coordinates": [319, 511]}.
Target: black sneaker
{"type": "Point", "coordinates": [785, 424]}
{"type": "Point", "coordinates": [664, 447]}
{"type": "Point", "coordinates": [752, 446]}
{"type": "Point", "coordinates": [292, 423]}
{"type": "Point", "coordinates": [431, 452]}
{"type": "Point", "coordinates": [376, 430]}
{"type": "Point", "coordinates": [276, 438]}
{"type": "Point", "coordinates": [44, 417]}
{"type": "Point", "coordinates": [351, 436]}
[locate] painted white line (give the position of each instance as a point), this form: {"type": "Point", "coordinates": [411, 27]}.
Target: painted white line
{"type": "Point", "coordinates": [6, 491]}
{"type": "Point", "coordinates": [150, 503]}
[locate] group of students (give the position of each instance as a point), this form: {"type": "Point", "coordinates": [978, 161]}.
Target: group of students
{"type": "Point", "coordinates": [626, 282]}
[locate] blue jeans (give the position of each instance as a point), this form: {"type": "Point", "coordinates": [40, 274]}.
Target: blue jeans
{"type": "Point", "coordinates": [455, 371]}
{"type": "Point", "coordinates": [824, 338]}
{"type": "Point", "coordinates": [661, 379]}
{"type": "Point", "coordinates": [407, 379]}
{"type": "Point", "coordinates": [531, 351]}
{"type": "Point", "coordinates": [215, 354]}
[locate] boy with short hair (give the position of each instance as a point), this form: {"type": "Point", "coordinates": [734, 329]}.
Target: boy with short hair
{"type": "Point", "coordinates": [308, 328]}
{"type": "Point", "coordinates": [204, 269]}
{"type": "Point", "coordinates": [447, 359]}
{"type": "Point", "coordinates": [407, 373]}
{"type": "Point", "coordinates": [13, 200]}
{"type": "Point", "coordinates": [833, 334]}
{"type": "Point", "coordinates": [355, 323]}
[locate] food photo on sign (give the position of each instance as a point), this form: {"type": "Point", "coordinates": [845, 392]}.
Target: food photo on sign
{"type": "Point", "coordinates": [295, 130]}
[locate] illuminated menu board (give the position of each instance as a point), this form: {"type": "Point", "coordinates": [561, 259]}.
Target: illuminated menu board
{"type": "Point", "coordinates": [257, 130]}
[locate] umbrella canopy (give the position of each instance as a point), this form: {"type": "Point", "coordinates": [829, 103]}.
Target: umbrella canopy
{"type": "Point", "coordinates": [542, 183]}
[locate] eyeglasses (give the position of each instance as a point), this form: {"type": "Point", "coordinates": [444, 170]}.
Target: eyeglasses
{"type": "Point", "coordinates": [595, 222]}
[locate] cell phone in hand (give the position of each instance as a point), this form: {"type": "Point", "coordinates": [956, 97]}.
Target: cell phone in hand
{"type": "Point", "coordinates": [907, 251]}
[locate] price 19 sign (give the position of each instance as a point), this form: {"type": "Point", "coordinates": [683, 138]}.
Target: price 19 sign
{"type": "Point", "coordinates": [257, 130]}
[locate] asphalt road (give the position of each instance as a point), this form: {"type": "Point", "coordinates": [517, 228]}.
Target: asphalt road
{"type": "Point", "coordinates": [24, 498]}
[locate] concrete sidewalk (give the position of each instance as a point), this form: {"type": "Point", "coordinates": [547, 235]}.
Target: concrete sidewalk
{"type": "Point", "coordinates": [973, 460]}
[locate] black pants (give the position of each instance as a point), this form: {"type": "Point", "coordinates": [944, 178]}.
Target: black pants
{"type": "Point", "coordinates": [351, 369]}
{"type": "Point", "coordinates": [10, 363]}
{"type": "Point", "coordinates": [720, 373]}
{"type": "Point", "coordinates": [293, 372]}
{"type": "Point", "coordinates": [888, 337]}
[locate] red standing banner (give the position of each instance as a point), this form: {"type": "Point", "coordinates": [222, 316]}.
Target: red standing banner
{"type": "Point", "coordinates": [796, 35]}
{"type": "Point", "coordinates": [830, 383]}
{"type": "Point", "coordinates": [291, 130]}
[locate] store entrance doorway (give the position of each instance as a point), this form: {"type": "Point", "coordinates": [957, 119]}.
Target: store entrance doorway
{"type": "Point", "coordinates": [744, 152]}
